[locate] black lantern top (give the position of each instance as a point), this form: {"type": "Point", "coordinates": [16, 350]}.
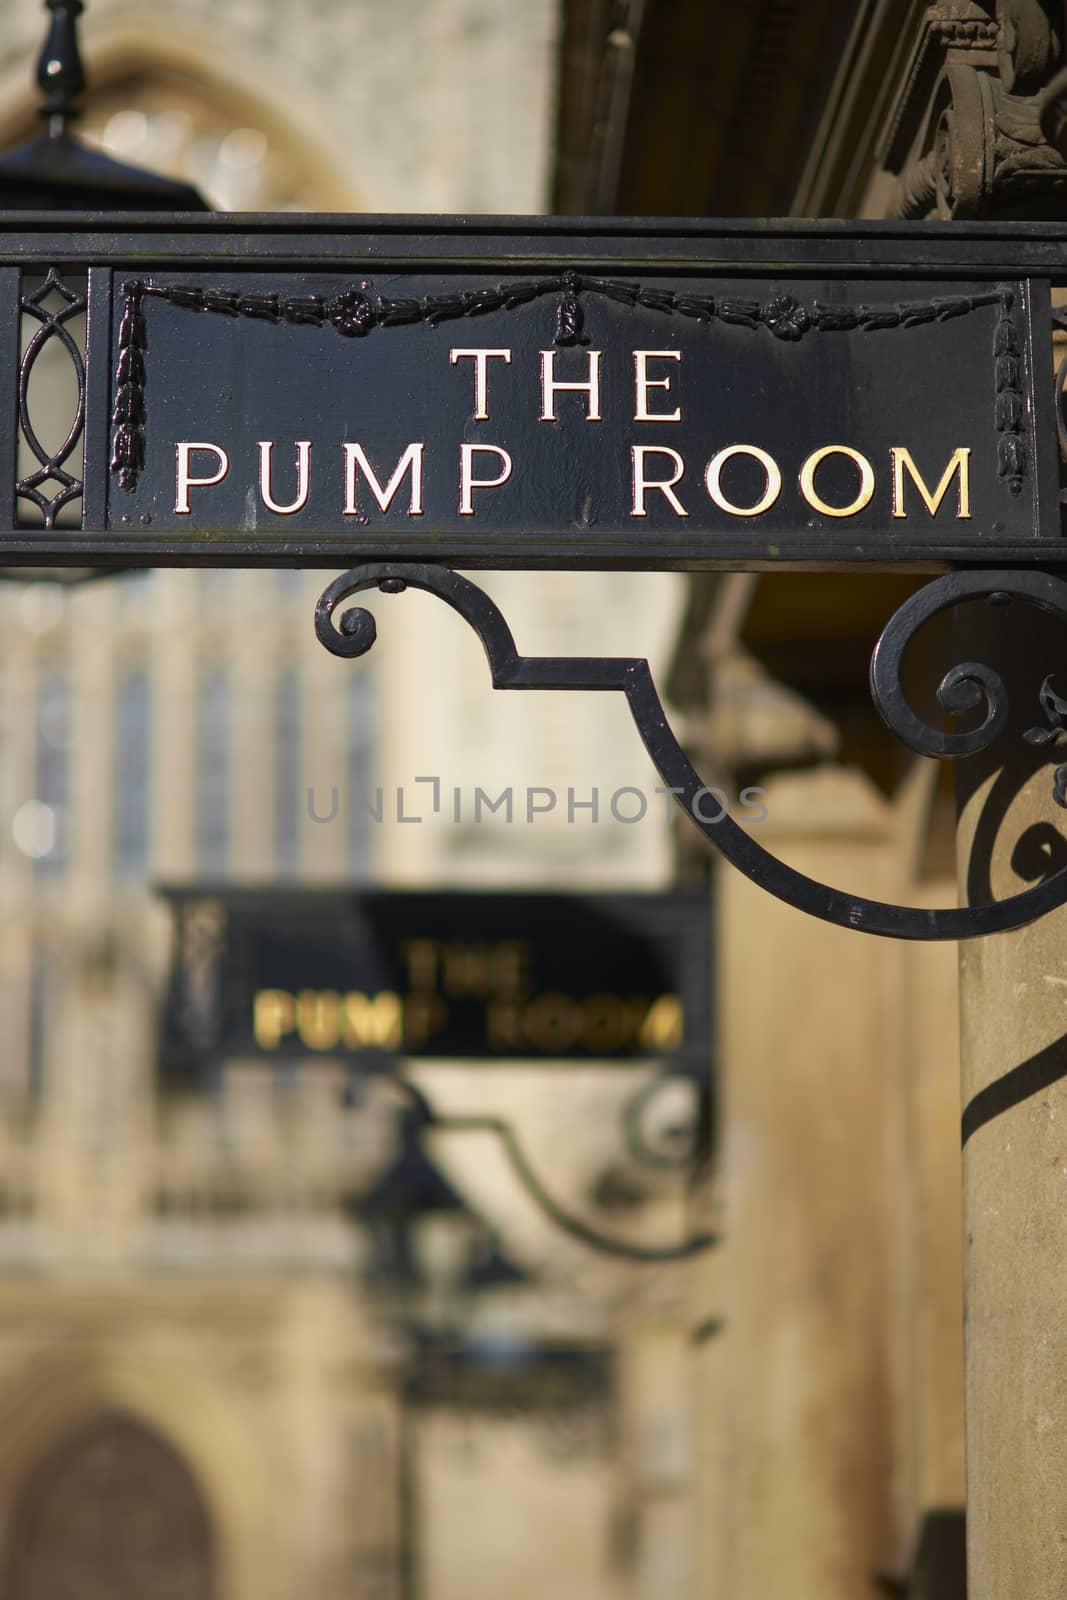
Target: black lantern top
{"type": "Point", "coordinates": [56, 172]}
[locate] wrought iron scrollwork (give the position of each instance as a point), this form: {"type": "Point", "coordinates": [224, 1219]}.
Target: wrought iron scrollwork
{"type": "Point", "coordinates": [673, 1143]}
{"type": "Point", "coordinates": [52, 463]}
{"type": "Point", "coordinates": [970, 686]}
{"type": "Point", "coordinates": [558, 1214]}
{"type": "Point", "coordinates": [1054, 734]}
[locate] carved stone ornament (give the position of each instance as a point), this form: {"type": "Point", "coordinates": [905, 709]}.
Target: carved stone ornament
{"type": "Point", "coordinates": [988, 157]}
{"type": "Point", "coordinates": [985, 149]}
{"type": "Point", "coordinates": [1029, 47]}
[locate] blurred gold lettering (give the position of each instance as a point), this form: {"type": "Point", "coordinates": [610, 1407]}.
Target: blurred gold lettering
{"type": "Point", "coordinates": [318, 1018]}
{"type": "Point", "coordinates": [273, 1015]}
{"type": "Point", "coordinates": [662, 1028]}
{"type": "Point", "coordinates": [425, 1014]}
{"type": "Point", "coordinates": [421, 958]}
{"type": "Point", "coordinates": [373, 1019]}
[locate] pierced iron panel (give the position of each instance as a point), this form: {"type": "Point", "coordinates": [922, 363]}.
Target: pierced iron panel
{"type": "Point", "coordinates": [49, 317]}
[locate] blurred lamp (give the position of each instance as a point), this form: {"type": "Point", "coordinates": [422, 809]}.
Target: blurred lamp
{"type": "Point", "coordinates": [429, 1249]}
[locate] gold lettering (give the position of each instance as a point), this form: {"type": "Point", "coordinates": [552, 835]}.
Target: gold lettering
{"type": "Point", "coordinates": [643, 484]}
{"type": "Point", "coordinates": [552, 1022]}
{"type": "Point", "coordinates": [481, 359]}
{"type": "Point", "coordinates": [410, 461]}
{"type": "Point", "coordinates": [318, 1018]}
{"type": "Point", "coordinates": [425, 1014]}
{"type": "Point", "coordinates": [502, 1023]}
{"type": "Point", "coordinates": [273, 1016]}
{"type": "Point", "coordinates": [421, 958]}
{"type": "Point", "coordinates": [375, 1019]}
{"type": "Point", "coordinates": [663, 1027]}
{"type": "Point", "coordinates": [186, 482]}
{"type": "Point", "coordinates": [959, 462]}
{"type": "Point", "coordinates": [551, 386]}
{"type": "Point", "coordinates": [303, 477]}
{"type": "Point", "coordinates": [511, 960]}
{"type": "Point", "coordinates": [468, 482]}
{"type": "Point", "coordinates": [772, 489]}
{"type": "Point", "coordinates": [643, 383]}
{"type": "Point", "coordinates": [807, 481]}
{"type": "Point", "coordinates": [605, 1023]}
{"type": "Point", "coordinates": [465, 969]}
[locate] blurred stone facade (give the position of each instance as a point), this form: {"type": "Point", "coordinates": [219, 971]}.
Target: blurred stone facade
{"type": "Point", "coordinates": [180, 1279]}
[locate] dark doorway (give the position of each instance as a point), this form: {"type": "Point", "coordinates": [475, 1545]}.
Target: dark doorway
{"type": "Point", "coordinates": [110, 1513]}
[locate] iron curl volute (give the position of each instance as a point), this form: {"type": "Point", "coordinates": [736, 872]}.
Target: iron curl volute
{"type": "Point", "coordinates": [673, 1144]}
{"type": "Point", "coordinates": [353, 632]}
{"type": "Point", "coordinates": [966, 687]}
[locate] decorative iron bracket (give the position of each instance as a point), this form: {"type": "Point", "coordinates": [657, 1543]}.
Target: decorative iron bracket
{"type": "Point", "coordinates": [967, 687]}
{"type": "Point", "coordinates": [640, 1147]}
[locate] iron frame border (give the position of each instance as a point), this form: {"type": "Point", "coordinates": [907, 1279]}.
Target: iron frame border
{"type": "Point", "coordinates": [1029, 254]}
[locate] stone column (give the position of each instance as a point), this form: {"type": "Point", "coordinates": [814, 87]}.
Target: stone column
{"type": "Point", "coordinates": [807, 1042]}
{"type": "Point", "coordinates": [1013, 999]}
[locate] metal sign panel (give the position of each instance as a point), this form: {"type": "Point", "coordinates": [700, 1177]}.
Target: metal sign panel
{"type": "Point", "coordinates": [305, 973]}
{"type": "Point", "coordinates": [533, 393]}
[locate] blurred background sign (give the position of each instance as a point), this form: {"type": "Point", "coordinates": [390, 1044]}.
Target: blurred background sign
{"type": "Point", "coordinates": [530, 976]}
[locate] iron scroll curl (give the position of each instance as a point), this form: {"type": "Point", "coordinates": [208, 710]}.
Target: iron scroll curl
{"type": "Point", "coordinates": [531, 1183]}
{"type": "Point", "coordinates": [351, 633]}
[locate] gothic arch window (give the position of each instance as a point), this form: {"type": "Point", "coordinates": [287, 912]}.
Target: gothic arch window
{"type": "Point", "coordinates": [110, 1513]}
{"type": "Point", "coordinates": [239, 154]}
{"type": "Point", "coordinates": [177, 128]}
{"type": "Point", "coordinates": [151, 106]}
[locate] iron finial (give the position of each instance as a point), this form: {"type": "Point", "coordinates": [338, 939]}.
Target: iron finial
{"type": "Point", "coordinates": [60, 74]}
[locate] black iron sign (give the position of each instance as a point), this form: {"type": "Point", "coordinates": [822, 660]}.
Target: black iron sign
{"type": "Point", "coordinates": [283, 974]}
{"type": "Point", "coordinates": [536, 393]}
